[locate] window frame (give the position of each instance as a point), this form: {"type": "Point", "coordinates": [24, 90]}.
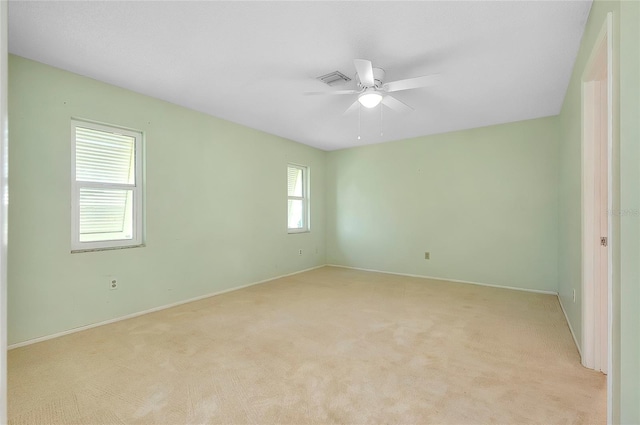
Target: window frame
{"type": "Point", "coordinates": [304, 198]}
{"type": "Point", "coordinates": [136, 187]}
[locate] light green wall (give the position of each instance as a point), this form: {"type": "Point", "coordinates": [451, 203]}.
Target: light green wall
{"type": "Point", "coordinates": [483, 202]}
{"type": "Point", "coordinates": [215, 205]}
{"type": "Point", "coordinates": [626, 197]}
{"type": "Point", "coordinates": [629, 276]}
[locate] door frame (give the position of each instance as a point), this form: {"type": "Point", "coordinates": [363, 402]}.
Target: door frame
{"type": "Point", "coordinates": [595, 327]}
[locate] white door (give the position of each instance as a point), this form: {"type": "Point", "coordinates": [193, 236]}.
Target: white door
{"type": "Point", "coordinates": [597, 140]}
{"type": "Point", "coordinates": [601, 208]}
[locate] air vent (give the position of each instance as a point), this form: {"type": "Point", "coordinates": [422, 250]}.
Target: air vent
{"type": "Point", "coordinates": [334, 78]}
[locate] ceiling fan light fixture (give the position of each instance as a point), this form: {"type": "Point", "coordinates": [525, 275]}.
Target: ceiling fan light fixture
{"type": "Point", "coordinates": [370, 99]}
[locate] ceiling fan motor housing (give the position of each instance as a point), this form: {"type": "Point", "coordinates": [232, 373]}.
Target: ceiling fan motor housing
{"type": "Point", "coordinates": [378, 78]}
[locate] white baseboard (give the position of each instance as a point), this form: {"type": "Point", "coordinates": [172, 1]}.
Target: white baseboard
{"type": "Point", "coordinates": [573, 335]}
{"type": "Point", "coordinates": [570, 327]}
{"type": "Point", "coordinates": [151, 310]}
{"type": "Point", "coordinates": [164, 307]}
{"type": "Point", "coordinates": [538, 291]}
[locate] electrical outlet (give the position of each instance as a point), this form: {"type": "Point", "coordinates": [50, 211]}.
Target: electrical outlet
{"type": "Point", "coordinates": [300, 252]}
{"type": "Point", "coordinates": [113, 282]}
{"type": "Point", "coordinates": [427, 255]}
{"type": "Point", "coordinates": [574, 295]}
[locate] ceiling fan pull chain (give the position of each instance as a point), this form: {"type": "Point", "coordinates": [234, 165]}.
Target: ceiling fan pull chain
{"type": "Point", "coordinates": [359, 112]}
{"type": "Point", "coordinates": [381, 126]}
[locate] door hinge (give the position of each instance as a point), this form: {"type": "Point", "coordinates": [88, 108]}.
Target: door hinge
{"type": "Point", "coordinates": [603, 241]}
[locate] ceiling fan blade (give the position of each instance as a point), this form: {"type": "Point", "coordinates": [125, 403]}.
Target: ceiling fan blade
{"type": "Point", "coordinates": [365, 71]}
{"type": "Point", "coordinates": [411, 83]}
{"type": "Point", "coordinates": [354, 106]}
{"type": "Point", "coordinates": [395, 104]}
{"type": "Point", "coordinates": [313, 93]}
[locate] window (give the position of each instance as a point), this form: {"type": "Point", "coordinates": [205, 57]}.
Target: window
{"type": "Point", "coordinates": [298, 198]}
{"type": "Point", "coordinates": [106, 176]}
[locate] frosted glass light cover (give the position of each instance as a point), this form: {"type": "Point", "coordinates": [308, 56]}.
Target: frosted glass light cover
{"type": "Point", "coordinates": [370, 100]}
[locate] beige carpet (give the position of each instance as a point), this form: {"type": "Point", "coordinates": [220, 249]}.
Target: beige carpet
{"type": "Point", "coordinates": [327, 346]}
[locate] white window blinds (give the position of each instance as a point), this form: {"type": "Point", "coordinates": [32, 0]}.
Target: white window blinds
{"type": "Point", "coordinates": [104, 157]}
{"type": "Point", "coordinates": [295, 181]}
{"type": "Point", "coordinates": [104, 212]}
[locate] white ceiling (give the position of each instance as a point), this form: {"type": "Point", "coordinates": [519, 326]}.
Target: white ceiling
{"type": "Point", "coordinates": [251, 62]}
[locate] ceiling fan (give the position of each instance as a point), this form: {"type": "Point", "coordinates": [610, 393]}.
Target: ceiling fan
{"type": "Point", "coordinates": [372, 90]}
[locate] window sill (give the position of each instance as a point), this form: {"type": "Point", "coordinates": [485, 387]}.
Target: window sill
{"type": "Point", "coordinates": [297, 232]}
{"type": "Point", "coordinates": [109, 248]}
